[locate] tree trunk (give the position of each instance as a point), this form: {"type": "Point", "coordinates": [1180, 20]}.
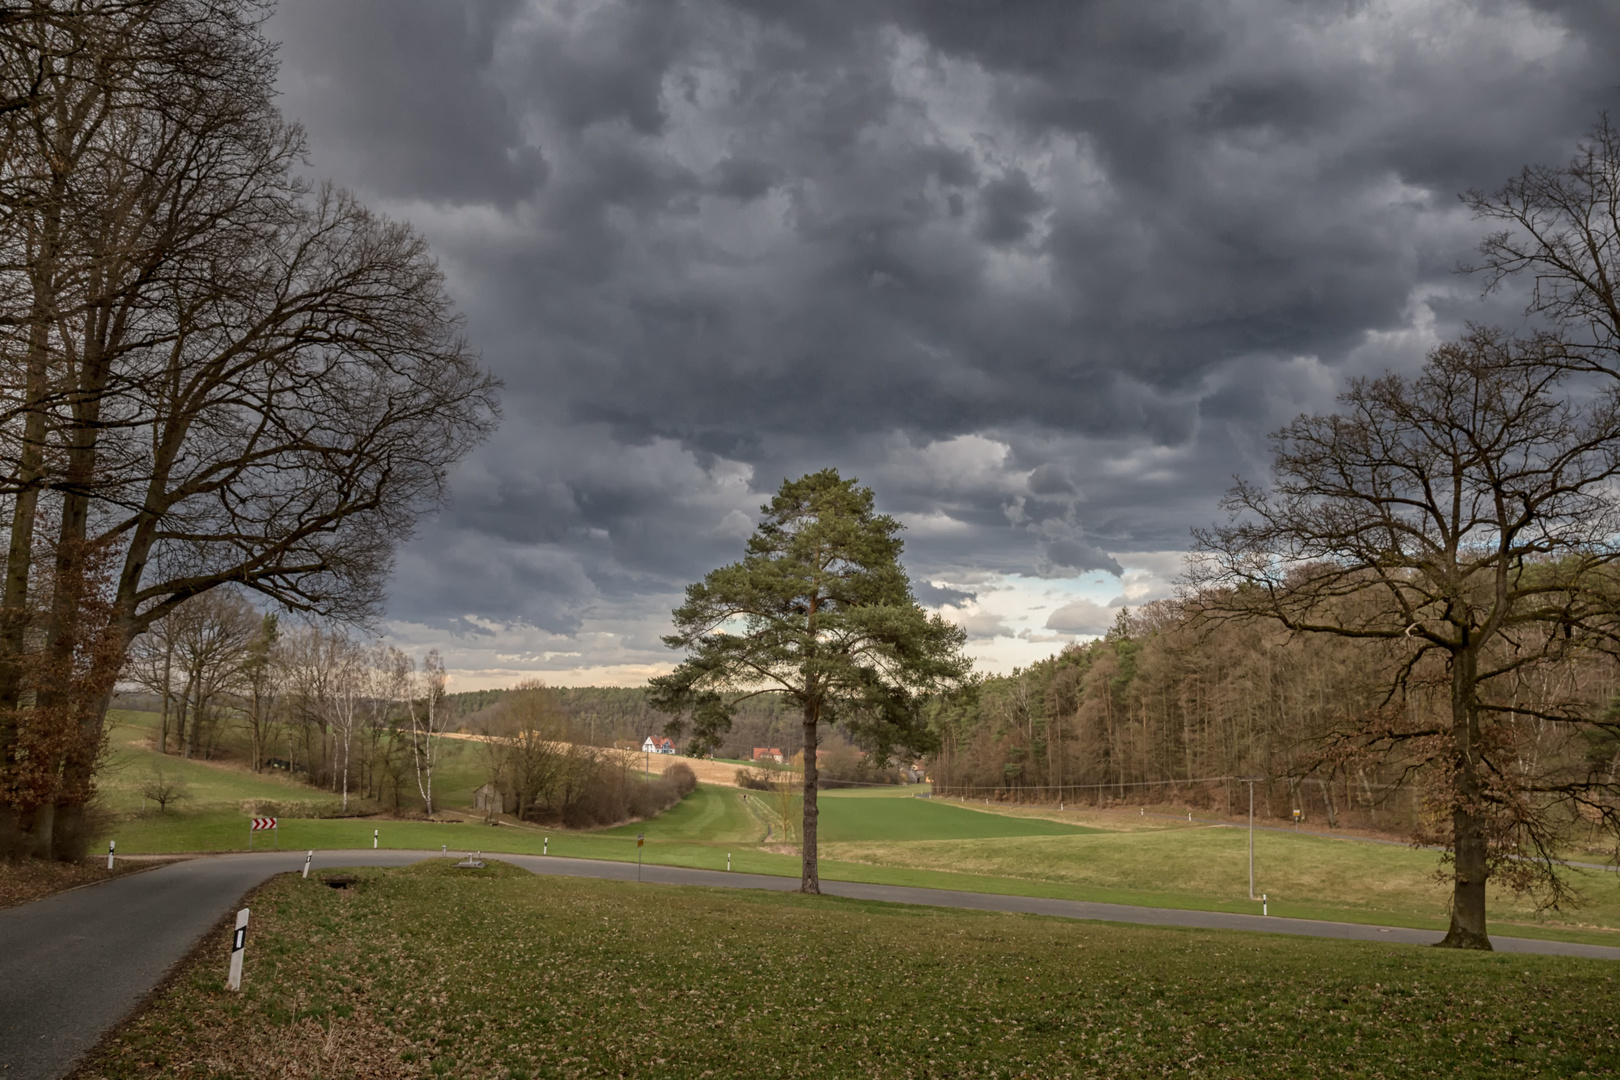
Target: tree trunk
{"type": "Point", "coordinates": [163, 728]}
{"type": "Point", "coordinates": [1468, 841]}
{"type": "Point", "coordinates": [810, 880]}
{"type": "Point", "coordinates": [183, 710]}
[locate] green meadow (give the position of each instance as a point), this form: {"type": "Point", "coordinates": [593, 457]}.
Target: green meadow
{"type": "Point", "coordinates": [556, 977]}
{"type": "Point", "coordinates": [882, 836]}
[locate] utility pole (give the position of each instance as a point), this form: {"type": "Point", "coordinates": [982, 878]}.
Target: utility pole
{"type": "Point", "coordinates": [1250, 780]}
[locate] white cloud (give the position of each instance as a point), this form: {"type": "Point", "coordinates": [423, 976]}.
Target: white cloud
{"type": "Point", "coordinates": [1082, 617]}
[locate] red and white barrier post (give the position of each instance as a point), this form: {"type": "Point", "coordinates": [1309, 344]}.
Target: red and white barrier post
{"type": "Point", "coordinates": [255, 824]}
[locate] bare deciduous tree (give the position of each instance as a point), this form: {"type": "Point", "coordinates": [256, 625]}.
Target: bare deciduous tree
{"type": "Point", "coordinates": [1562, 229]}
{"type": "Point", "coordinates": [163, 787]}
{"type": "Point", "coordinates": [261, 682]}
{"type": "Point", "coordinates": [211, 373]}
{"type": "Point", "coordinates": [212, 636]}
{"type": "Point", "coordinates": [528, 746]}
{"type": "Point", "coordinates": [1465, 520]}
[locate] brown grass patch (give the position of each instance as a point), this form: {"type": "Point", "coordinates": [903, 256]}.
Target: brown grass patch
{"type": "Point", "coordinates": [34, 879]}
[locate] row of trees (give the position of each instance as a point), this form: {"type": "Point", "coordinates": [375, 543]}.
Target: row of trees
{"type": "Point", "coordinates": [310, 697]}
{"type": "Point", "coordinates": [211, 371]}
{"type": "Point", "coordinates": [543, 767]}
{"type": "Point", "coordinates": [605, 715]}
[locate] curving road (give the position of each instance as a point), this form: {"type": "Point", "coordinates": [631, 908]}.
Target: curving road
{"type": "Point", "coordinates": [73, 965]}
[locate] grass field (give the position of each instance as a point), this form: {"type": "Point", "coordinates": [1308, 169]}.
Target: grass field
{"type": "Point", "coordinates": [716, 815]}
{"type": "Point", "coordinates": [885, 836]}
{"type": "Point", "coordinates": [131, 762]}
{"type": "Point", "coordinates": [853, 816]}
{"type": "Point", "coordinates": [552, 977]}
{"type": "Point", "coordinates": [212, 785]}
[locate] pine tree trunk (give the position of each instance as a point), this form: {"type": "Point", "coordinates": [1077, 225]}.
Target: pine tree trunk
{"type": "Point", "coordinates": [810, 880]}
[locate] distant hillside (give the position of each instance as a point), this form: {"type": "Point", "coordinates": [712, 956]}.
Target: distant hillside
{"type": "Point", "coordinates": [468, 702]}
{"type": "Point", "coordinates": [606, 714]}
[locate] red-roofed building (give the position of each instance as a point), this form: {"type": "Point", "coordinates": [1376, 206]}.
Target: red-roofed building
{"type": "Point", "coordinates": [771, 753]}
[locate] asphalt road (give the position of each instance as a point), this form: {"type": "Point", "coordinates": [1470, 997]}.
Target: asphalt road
{"type": "Point", "coordinates": [73, 965]}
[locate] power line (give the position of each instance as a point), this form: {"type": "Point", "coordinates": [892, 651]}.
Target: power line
{"type": "Point", "coordinates": [1083, 787]}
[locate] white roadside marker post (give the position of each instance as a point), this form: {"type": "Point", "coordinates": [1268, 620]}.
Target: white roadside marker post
{"type": "Point", "coordinates": [545, 845]}
{"type": "Point", "coordinates": [238, 947]}
{"type": "Point", "coordinates": [307, 860]}
{"type": "Point", "coordinates": [640, 839]}
{"type": "Point", "coordinates": [1265, 908]}
{"type": "Point", "coordinates": [374, 839]}
{"type": "Point", "coordinates": [728, 862]}
{"type": "Point", "coordinates": [112, 846]}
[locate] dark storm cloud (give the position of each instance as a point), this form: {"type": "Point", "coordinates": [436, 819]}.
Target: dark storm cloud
{"type": "Point", "coordinates": [935, 596]}
{"type": "Point", "coordinates": [1043, 272]}
{"type": "Point", "coordinates": [399, 89]}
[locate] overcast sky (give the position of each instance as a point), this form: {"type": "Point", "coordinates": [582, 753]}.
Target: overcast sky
{"type": "Point", "coordinates": [1043, 274]}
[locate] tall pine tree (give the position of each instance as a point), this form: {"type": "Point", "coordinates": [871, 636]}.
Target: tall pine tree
{"type": "Point", "coordinates": [820, 611]}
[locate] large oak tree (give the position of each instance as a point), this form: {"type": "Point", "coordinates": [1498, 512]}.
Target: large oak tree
{"type": "Point", "coordinates": [1465, 521]}
{"type": "Point", "coordinates": [818, 611]}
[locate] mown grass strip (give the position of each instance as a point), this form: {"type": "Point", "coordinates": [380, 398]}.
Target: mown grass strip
{"type": "Point", "coordinates": [434, 971]}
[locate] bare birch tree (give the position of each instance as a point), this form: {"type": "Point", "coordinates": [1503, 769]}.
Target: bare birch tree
{"type": "Point", "coordinates": [429, 716]}
{"type": "Point", "coordinates": [344, 702]}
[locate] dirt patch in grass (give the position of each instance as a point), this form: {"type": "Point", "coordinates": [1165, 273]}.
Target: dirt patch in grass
{"type": "Point", "coordinates": [434, 971]}
{"type": "Point", "coordinates": [35, 879]}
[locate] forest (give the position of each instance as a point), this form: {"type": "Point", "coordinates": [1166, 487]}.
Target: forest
{"type": "Point", "coordinates": [1169, 708]}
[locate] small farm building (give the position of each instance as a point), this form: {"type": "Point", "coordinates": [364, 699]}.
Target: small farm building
{"type": "Point", "coordinates": [490, 799]}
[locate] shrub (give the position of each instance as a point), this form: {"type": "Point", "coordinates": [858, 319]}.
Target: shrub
{"type": "Point", "coordinates": [681, 776]}
{"type": "Point", "coordinates": [593, 788]}
{"type": "Point", "coordinates": [756, 779]}
{"type": "Point", "coordinates": [307, 808]}
{"type": "Point", "coordinates": [164, 787]}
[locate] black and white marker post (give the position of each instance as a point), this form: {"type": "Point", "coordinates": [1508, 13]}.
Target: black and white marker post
{"type": "Point", "coordinates": [307, 859]}
{"type": "Point", "coordinates": [238, 946]}
{"type": "Point", "coordinates": [641, 838]}
{"type": "Point", "coordinates": [374, 839]}
{"type": "Point", "coordinates": [112, 846]}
